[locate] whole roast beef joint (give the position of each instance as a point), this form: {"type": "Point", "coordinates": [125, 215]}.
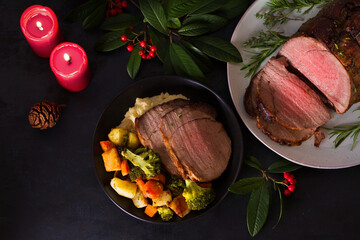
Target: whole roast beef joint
{"type": "Point", "coordinates": [316, 70]}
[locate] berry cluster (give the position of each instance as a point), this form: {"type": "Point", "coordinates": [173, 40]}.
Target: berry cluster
{"type": "Point", "coordinates": [147, 50]}
{"type": "Point", "coordinates": [115, 7]}
{"type": "Point", "coordinates": [290, 182]}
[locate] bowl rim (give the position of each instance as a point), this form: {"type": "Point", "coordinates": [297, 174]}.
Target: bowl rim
{"type": "Point", "coordinates": [188, 83]}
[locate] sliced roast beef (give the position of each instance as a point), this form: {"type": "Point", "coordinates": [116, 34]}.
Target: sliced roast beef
{"type": "Point", "coordinates": [315, 61]}
{"type": "Point", "coordinates": [148, 125]}
{"type": "Point", "coordinates": [250, 98]}
{"type": "Point", "coordinates": [283, 97]}
{"type": "Point", "coordinates": [198, 144]}
{"type": "Point", "coordinates": [284, 135]}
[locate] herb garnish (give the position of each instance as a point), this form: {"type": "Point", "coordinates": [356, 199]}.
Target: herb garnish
{"type": "Point", "coordinates": [343, 132]}
{"type": "Point", "coordinates": [280, 10]}
{"type": "Point", "coordinates": [264, 45]}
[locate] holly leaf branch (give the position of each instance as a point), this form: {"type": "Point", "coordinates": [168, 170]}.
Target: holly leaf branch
{"type": "Point", "coordinates": [175, 31]}
{"type": "Point", "coordinates": [259, 190]}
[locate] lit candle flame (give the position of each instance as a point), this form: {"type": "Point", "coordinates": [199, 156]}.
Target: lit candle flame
{"type": "Point", "coordinates": [67, 58]}
{"type": "Point", "coordinates": [39, 26]}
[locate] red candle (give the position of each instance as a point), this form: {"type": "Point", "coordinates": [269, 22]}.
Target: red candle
{"type": "Point", "coordinates": [70, 65]}
{"type": "Point", "coordinates": [41, 29]}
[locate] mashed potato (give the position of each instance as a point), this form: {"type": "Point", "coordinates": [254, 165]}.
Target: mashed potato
{"type": "Point", "coordinates": [144, 104]}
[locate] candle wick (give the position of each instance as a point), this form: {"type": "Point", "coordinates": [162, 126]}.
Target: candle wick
{"type": "Point", "coordinates": [39, 26]}
{"type": "Point", "coordinates": [67, 58]}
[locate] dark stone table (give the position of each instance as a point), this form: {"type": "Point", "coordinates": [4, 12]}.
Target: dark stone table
{"type": "Point", "coordinates": [49, 189]}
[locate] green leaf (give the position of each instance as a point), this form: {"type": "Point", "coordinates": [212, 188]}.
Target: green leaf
{"type": "Point", "coordinates": [154, 14]}
{"type": "Point", "coordinates": [246, 185]}
{"type": "Point", "coordinates": [208, 6]}
{"type": "Point", "coordinates": [167, 66]}
{"type": "Point", "coordinates": [202, 60]}
{"type": "Point", "coordinates": [194, 29]}
{"type": "Point", "coordinates": [179, 8]}
{"type": "Point", "coordinates": [174, 23]}
{"type": "Point", "coordinates": [161, 42]}
{"type": "Point", "coordinates": [183, 64]}
{"type": "Point", "coordinates": [121, 22]}
{"type": "Point", "coordinates": [218, 48]}
{"type": "Point", "coordinates": [258, 209]}
{"type": "Point", "coordinates": [281, 206]}
{"type": "Point", "coordinates": [282, 165]}
{"type": "Point", "coordinates": [95, 18]}
{"type": "Point", "coordinates": [110, 41]}
{"type": "Point", "coordinates": [233, 8]}
{"type": "Point", "coordinates": [134, 62]}
{"type": "Point", "coordinates": [253, 162]}
{"type": "Point", "coordinates": [214, 22]}
{"type": "Point", "coordinates": [81, 12]}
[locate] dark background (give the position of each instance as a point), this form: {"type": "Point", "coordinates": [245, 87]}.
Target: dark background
{"type": "Point", "coordinates": [48, 185]}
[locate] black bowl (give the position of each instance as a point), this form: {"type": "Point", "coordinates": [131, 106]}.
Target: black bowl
{"type": "Point", "coordinates": [149, 87]}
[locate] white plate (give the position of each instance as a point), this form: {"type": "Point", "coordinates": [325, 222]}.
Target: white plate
{"type": "Point", "coordinates": [326, 156]}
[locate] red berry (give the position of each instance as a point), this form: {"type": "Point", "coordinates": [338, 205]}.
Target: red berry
{"type": "Point", "coordinates": [130, 48]}
{"type": "Point", "coordinates": [142, 44]}
{"type": "Point", "coordinates": [149, 41]}
{"type": "Point", "coordinates": [131, 28]}
{"type": "Point", "coordinates": [291, 188]}
{"type": "Point", "coordinates": [124, 37]}
{"type": "Point", "coordinates": [292, 181]}
{"type": "Point", "coordinates": [141, 52]}
{"type": "Point", "coordinates": [286, 175]}
{"type": "Point", "coordinates": [119, 5]}
{"type": "Point", "coordinates": [124, 3]}
{"type": "Point", "coordinates": [287, 193]}
{"type": "Point", "coordinates": [152, 54]}
{"type": "Point", "coordinates": [148, 57]}
{"type": "Point", "coordinates": [153, 48]}
{"type": "Point", "coordinates": [291, 177]}
{"type": "Point", "coordinates": [116, 1]}
{"type": "Point", "coordinates": [119, 10]}
{"type": "Point", "coordinates": [143, 56]}
{"type": "Point", "coordinates": [286, 181]}
{"type": "Point", "coordinates": [113, 12]}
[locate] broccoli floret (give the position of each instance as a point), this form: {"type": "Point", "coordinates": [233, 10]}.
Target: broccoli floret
{"type": "Point", "coordinates": [145, 159]}
{"type": "Point", "coordinates": [135, 173]}
{"type": "Point", "coordinates": [165, 213]}
{"type": "Point", "coordinates": [176, 185]}
{"type": "Point", "coordinates": [196, 197]}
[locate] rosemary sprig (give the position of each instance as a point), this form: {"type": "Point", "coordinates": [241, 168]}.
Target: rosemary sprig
{"type": "Point", "coordinates": [263, 45]}
{"type": "Point", "coordinates": [343, 132]}
{"type": "Point", "coordinates": [280, 10]}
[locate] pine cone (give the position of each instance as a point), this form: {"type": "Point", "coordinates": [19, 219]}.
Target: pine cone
{"type": "Point", "coordinates": [45, 114]}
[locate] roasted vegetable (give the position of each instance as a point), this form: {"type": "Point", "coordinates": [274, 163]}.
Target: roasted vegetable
{"type": "Point", "coordinates": [118, 136]}
{"type": "Point", "coordinates": [175, 184]}
{"type": "Point", "coordinates": [133, 141]}
{"type": "Point", "coordinates": [163, 200]}
{"type": "Point", "coordinates": [144, 158]}
{"type": "Point", "coordinates": [150, 210]}
{"type": "Point", "coordinates": [124, 188]}
{"type": "Point", "coordinates": [139, 200]}
{"type": "Point", "coordinates": [153, 189]}
{"type": "Point", "coordinates": [106, 145]}
{"type": "Point", "coordinates": [179, 206]}
{"type": "Point", "coordinates": [165, 213]}
{"type": "Point", "coordinates": [135, 173]}
{"type": "Point", "coordinates": [112, 161]}
{"type": "Point", "coordinates": [196, 197]}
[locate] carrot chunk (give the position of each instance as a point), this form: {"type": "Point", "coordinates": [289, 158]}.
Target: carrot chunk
{"type": "Point", "coordinates": [160, 177]}
{"type": "Point", "coordinates": [150, 210]}
{"type": "Point", "coordinates": [106, 145]}
{"type": "Point", "coordinates": [125, 169]}
{"type": "Point", "coordinates": [153, 189]}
